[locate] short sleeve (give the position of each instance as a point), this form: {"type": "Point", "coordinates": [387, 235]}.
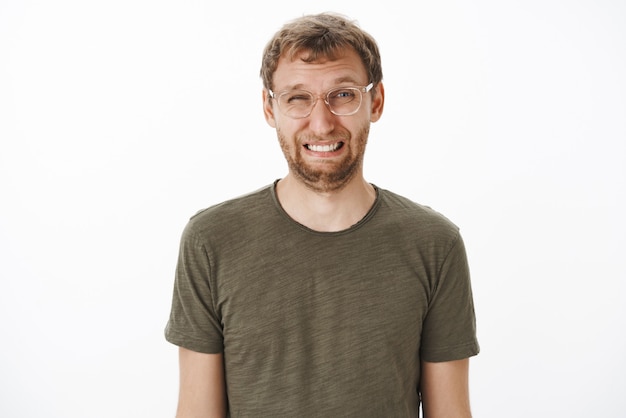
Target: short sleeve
{"type": "Point", "coordinates": [449, 329]}
{"type": "Point", "coordinates": [193, 322]}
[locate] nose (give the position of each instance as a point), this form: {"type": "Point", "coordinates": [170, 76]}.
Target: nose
{"type": "Point", "coordinates": [321, 119]}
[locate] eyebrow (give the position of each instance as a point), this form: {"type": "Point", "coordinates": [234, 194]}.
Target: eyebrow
{"type": "Point", "coordinates": [337, 81]}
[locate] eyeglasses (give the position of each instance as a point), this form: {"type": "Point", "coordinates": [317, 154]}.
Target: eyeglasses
{"type": "Point", "coordinates": [341, 101]}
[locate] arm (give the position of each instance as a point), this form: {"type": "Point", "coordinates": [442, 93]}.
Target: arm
{"type": "Point", "coordinates": [445, 389]}
{"type": "Point", "coordinates": [202, 386]}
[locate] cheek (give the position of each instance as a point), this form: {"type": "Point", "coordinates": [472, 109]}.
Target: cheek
{"type": "Point", "coordinates": [286, 144]}
{"type": "Point", "coordinates": [290, 130]}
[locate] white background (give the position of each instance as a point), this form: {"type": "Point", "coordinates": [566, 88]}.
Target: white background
{"type": "Point", "coordinates": [119, 119]}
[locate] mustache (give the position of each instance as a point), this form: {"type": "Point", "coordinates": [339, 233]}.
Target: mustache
{"type": "Point", "coordinates": [339, 137]}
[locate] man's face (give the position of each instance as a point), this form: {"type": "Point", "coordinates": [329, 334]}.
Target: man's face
{"type": "Point", "coordinates": [323, 150]}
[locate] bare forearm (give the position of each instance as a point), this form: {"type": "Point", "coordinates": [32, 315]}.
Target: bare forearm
{"type": "Point", "coordinates": [202, 392]}
{"type": "Point", "coordinates": [445, 389]}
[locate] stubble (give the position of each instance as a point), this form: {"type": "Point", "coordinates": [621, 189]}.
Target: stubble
{"type": "Point", "coordinates": [332, 175]}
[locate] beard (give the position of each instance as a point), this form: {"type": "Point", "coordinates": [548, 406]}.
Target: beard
{"type": "Point", "coordinates": [332, 175]}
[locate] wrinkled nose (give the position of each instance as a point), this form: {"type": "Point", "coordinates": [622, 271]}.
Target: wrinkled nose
{"type": "Point", "coordinates": [321, 119]}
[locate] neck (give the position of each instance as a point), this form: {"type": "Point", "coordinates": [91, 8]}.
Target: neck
{"type": "Point", "coordinates": [326, 211]}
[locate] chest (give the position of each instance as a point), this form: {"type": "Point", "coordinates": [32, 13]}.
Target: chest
{"type": "Point", "coordinates": [311, 292]}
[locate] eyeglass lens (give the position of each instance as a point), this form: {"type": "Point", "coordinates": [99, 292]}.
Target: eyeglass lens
{"type": "Point", "coordinates": [299, 103]}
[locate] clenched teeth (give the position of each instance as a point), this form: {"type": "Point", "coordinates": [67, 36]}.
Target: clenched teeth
{"type": "Point", "coordinates": [324, 148]}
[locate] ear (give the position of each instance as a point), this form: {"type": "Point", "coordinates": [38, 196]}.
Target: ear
{"type": "Point", "coordinates": [378, 102]}
{"type": "Point", "coordinates": [268, 109]}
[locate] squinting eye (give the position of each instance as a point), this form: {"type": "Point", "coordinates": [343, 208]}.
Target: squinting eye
{"type": "Point", "coordinates": [297, 98]}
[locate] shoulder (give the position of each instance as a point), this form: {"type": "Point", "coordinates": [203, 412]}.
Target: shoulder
{"type": "Point", "coordinates": [231, 214]}
{"type": "Point", "coordinates": [412, 215]}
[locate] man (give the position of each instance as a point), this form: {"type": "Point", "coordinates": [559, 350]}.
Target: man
{"type": "Point", "coordinates": [322, 295]}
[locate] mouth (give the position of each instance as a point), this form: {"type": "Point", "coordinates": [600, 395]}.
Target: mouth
{"type": "Point", "coordinates": [324, 147]}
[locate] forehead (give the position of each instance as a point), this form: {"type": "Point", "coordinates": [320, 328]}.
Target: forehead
{"type": "Point", "coordinates": [345, 67]}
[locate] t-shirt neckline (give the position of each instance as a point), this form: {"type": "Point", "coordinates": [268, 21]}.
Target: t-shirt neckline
{"type": "Point", "coordinates": [363, 221]}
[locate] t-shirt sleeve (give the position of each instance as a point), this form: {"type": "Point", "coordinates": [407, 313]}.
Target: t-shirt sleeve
{"type": "Point", "coordinates": [449, 329]}
{"type": "Point", "coordinates": [193, 322]}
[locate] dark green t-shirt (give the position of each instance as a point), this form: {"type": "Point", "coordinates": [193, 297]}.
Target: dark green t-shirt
{"type": "Point", "coordinates": [323, 324]}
